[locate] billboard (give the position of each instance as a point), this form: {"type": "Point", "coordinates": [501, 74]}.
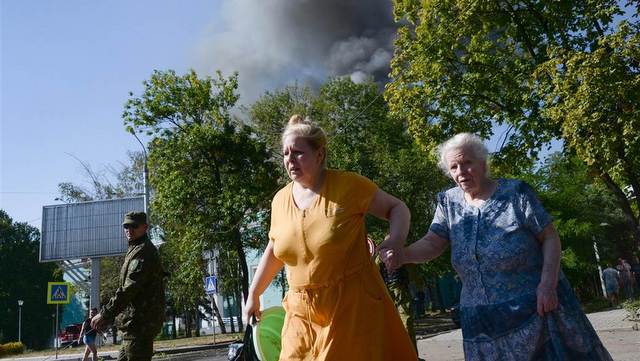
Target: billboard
{"type": "Point", "coordinates": [85, 230]}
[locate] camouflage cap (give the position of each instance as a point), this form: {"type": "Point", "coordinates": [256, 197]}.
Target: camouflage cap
{"type": "Point", "coordinates": [135, 218]}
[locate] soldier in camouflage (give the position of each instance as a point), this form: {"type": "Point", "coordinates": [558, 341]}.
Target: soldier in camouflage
{"type": "Point", "coordinates": [139, 302]}
{"type": "Point", "coordinates": [397, 282]}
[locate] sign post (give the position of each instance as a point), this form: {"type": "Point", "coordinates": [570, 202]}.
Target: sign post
{"type": "Point", "coordinates": [211, 288]}
{"type": "Point", "coordinates": [58, 293]}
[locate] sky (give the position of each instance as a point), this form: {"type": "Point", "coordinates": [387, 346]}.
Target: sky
{"type": "Point", "coordinates": [67, 67]}
{"type": "Point", "coordinates": [66, 70]}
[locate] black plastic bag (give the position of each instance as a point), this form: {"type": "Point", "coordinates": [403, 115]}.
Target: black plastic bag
{"type": "Point", "coordinates": [246, 352]}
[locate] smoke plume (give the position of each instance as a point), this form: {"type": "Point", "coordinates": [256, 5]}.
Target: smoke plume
{"type": "Point", "coordinates": [274, 43]}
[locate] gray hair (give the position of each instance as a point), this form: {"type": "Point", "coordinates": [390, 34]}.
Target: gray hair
{"type": "Point", "coordinates": [466, 141]}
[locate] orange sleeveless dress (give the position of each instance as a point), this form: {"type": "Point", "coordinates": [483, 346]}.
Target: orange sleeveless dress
{"type": "Point", "coordinates": [337, 306]}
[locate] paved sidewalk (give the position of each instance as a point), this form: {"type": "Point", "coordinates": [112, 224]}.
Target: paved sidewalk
{"type": "Point", "coordinates": [613, 327]}
{"type": "Point", "coordinates": [160, 354]}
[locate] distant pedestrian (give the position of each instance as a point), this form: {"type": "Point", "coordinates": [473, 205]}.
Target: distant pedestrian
{"type": "Point", "coordinates": [139, 301]}
{"type": "Point", "coordinates": [626, 280]}
{"type": "Point", "coordinates": [88, 336]}
{"type": "Point", "coordinates": [611, 284]}
{"type": "Point", "coordinates": [635, 270]}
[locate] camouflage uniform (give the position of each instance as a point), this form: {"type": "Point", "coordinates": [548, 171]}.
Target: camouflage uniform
{"type": "Point", "coordinates": [398, 285]}
{"type": "Point", "coordinates": [139, 302]}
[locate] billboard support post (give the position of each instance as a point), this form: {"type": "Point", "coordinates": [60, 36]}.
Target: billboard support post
{"type": "Point", "coordinates": [57, 331]}
{"type": "Point", "coordinates": [94, 300]}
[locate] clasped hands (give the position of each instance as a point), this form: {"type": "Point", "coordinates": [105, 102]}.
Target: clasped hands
{"type": "Point", "coordinates": [391, 254]}
{"type": "Point", "coordinates": [393, 258]}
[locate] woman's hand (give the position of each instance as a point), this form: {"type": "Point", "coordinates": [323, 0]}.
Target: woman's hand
{"type": "Point", "coordinates": [251, 308]}
{"type": "Point", "coordinates": [391, 255]}
{"type": "Point", "coordinates": [547, 288]}
{"type": "Point", "coordinates": [547, 298]}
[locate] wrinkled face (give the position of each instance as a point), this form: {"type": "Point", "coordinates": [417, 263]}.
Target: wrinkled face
{"type": "Point", "coordinates": [468, 172]}
{"type": "Point", "coordinates": [302, 162]}
{"type": "Point", "coordinates": [134, 231]}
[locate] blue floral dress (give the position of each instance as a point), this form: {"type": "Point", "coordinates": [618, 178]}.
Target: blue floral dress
{"type": "Point", "coordinates": [495, 251]}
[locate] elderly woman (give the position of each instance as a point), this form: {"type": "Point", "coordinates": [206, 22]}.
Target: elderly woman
{"type": "Point", "coordinates": [515, 303]}
{"type": "Point", "coordinates": [337, 306]}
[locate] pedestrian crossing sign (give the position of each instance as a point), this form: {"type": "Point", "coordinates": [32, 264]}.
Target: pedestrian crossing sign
{"type": "Point", "coordinates": [58, 293]}
{"type": "Point", "coordinates": [210, 285]}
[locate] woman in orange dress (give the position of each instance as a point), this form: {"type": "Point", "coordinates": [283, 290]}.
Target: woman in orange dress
{"type": "Point", "coordinates": [337, 307]}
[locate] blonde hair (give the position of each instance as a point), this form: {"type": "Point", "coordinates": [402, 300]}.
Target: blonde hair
{"type": "Point", "coordinates": [307, 129]}
{"type": "Point", "coordinates": [466, 141]}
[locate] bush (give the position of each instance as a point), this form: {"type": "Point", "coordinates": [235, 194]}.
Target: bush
{"type": "Point", "coordinates": [11, 348]}
{"type": "Point", "coordinates": [633, 308]}
{"type": "Point", "coordinates": [596, 305]}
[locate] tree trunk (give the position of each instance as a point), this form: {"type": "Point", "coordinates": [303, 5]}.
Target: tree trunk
{"type": "Point", "coordinates": [625, 206]}
{"type": "Point", "coordinates": [238, 303]}
{"type": "Point", "coordinates": [114, 332]}
{"type": "Point", "coordinates": [439, 296]}
{"type": "Point", "coordinates": [197, 322]}
{"type": "Point", "coordinates": [284, 282]}
{"type": "Point", "coordinates": [174, 332]}
{"type": "Point", "coordinates": [233, 328]}
{"type": "Point", "coordinates": [187, 321]}
{"type": "Point", "coordinates": [215, 312]}
{"type": "Point", "coordinates": [242, 258]}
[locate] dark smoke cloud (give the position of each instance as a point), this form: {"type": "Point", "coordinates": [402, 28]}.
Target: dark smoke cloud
{"type": "Point", "coordinates": [273, 43]}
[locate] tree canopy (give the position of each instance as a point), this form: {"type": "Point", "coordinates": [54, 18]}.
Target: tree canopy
{"type": "Point", "coordinates": [542, 69]}
{"type": "Point", "coordinates": [584, 211]}
{"type": "Point", "coordinates": [24, 278]}
{"type": "Point", "coordinates": [212, 177]}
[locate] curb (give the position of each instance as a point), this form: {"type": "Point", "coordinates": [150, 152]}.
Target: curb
{"type": "Point", "coordinates": [164, 354]}
{"type": "Point", "coordinates": [178, 350]}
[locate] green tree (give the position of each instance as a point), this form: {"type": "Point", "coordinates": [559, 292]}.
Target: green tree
{"type": "Point", "coordinates": [594, 97]}
{"type": "Point", "coordinates": [123, 180]}
{"type": "Point", "coordinates": [268, 115]}
{"type": "Point", "coordinates": [465, 65]}
{"type": "Point", "coordinates": [26, 279]}
{"type": "Point", "coordinates": [540, 68]}
{"type": "Point", "coordinates": [584, 211]}
{"type": "Point", "coordinates": [211, 175]}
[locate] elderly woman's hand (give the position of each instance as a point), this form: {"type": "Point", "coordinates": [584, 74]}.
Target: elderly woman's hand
{"type": "Point", "coordinates": [547, 298]}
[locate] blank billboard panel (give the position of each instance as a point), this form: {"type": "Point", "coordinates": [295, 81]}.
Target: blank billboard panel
{"type": "Point", "coordinates": [84, 230]}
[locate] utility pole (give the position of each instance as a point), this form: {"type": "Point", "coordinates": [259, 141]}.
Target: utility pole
{"type": "Point", "coordinates": [20, 303]}
{"type": "Point", "coordinates": [595, 249]}
{"type": "Point", "coordinates": [144, 176]}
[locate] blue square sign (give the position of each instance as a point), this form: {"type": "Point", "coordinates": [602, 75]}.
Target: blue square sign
{"type": "Point", "coordinates": [58, 293]}
{"type": "Point", "coordinates": [210, 285]}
